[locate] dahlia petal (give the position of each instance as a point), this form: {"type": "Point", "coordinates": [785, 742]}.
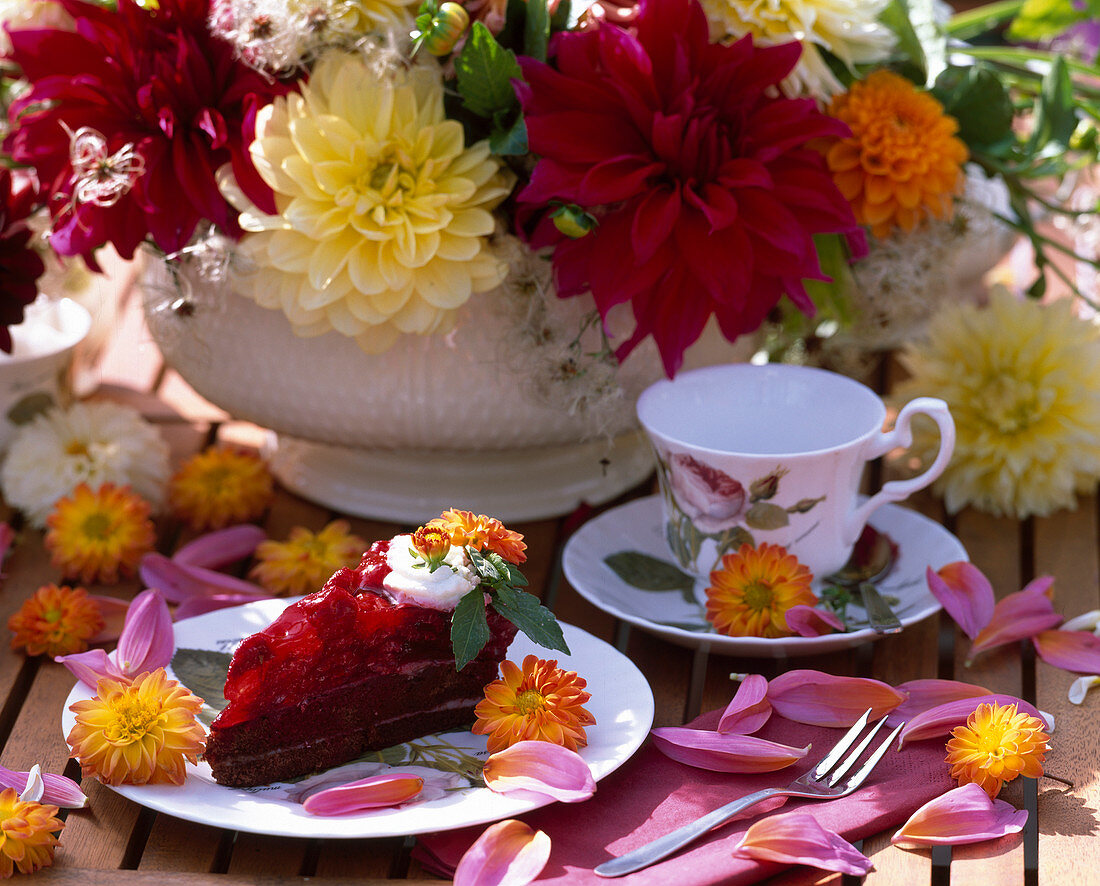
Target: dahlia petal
{"type": "Point", "coordinates": [809, 621]}
{"type": "Point", "coordinates": [1086, 621]}
{"type": "Point", "coordinates": [1080, 687]}
{"type": "Point", "coordinates": [147, 640]}
{"type": "Point", "coordinates": [1075, 651]}
{"type": "Point", "coordinates": [193, 606]}
{"type": "Point", "coordinates": [539, 768]}
{"type": "Point", "coordinates": [727, 752]}
{"type": "Point", "coordinates": [215, 550]}
{"type": "Point", "coordinates": [821, 699]}
{"type": "Point", "coordinates": [964, 593]}
{"type": "Point", "coordinates": [940, 720]}
{"type": "Point", "coordinates": [965, 814]}
{"type": "Point", "coordinates": [749, 709]}
{"type": "Point", "coordinates": [798, 838]}
{"type": "Point", "coordinates": [508, 853]}
{"type": "Point", "coordinates": [57, 790]}
{"type": "Point", "coordinates": [90, 667]}
{"type": "Point", "coordinates": [388, 789]}
{"type": "Point", "coordinates": [179, 581]}
{"type": "Point", "coordinates": [923, 695]}
{"type": "Point", "coordinates": [114, 612]}
{"type": "Point", "coordinates": [1017, 617]}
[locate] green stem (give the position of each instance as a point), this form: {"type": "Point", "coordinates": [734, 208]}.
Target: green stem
{"type": "Point", "coordinates": [965, 25]}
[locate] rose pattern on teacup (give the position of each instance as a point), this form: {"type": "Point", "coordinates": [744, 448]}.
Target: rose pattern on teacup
{"type": "Point", "coordinates": [705, 502]}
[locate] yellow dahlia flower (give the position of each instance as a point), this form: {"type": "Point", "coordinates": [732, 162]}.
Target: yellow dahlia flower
{"type": "Point", "coordinates": [848, 29]}
{"type": "Point", "coordinates": [137, 733]}
{"type": "Point", "coordinates": [384, 212]}
{"type": "Point", "coordinates": [996, 744]}
{"type": "Point", "coordinates": [1022, 380]}
{"type": "Point", "coordinates": [221, 486]}
{"type": "Point", "coordinates": [750, 593]}
{"type": "Point", "coordinates": [28, 834]}
{"type": "Point", "coordinates": [306, 560]}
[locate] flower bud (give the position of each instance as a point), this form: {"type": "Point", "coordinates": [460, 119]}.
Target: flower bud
{"type": "Point", "coordinates": [766, 487]}
{"type": "Point", "coordinates": [572, 221]}
{"type": "Point", "coordinates": [431, 543]}
{"type": "Point", "coordinates": [441, 30]}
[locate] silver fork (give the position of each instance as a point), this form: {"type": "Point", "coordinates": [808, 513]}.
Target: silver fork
{"type": "Point", "coordinates": [823, 782]}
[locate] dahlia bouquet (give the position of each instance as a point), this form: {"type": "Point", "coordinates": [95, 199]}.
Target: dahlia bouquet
{"type": "Point", "coordinates": [370, 166]}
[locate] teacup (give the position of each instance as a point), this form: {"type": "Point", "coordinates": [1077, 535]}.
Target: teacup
{"type": "Point", "coordinates": [775, 453]}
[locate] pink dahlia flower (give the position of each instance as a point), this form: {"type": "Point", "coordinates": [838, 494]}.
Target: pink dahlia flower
{"type": "Point", "coordinates": [169, 104]}
{"type": "Point", "coordinates": [701, 175]}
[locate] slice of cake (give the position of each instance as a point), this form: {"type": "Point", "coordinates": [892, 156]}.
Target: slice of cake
{"type": "Point", "coordinates": [369, 661]}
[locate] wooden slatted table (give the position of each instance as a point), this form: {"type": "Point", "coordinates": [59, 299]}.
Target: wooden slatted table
{"type": "Point", "coordinates": [115, 842]}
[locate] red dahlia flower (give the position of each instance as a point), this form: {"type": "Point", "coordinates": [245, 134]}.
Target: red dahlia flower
{"type": "Point", "coordinates": [698, 171]}
{"type": "Point", "coordinates": [20, 265]}
{"type": "Point", "coordinates": [153, 79]}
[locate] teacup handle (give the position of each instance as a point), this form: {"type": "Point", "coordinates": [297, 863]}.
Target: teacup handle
{"type": "Point", "coordinates": [902, 436]}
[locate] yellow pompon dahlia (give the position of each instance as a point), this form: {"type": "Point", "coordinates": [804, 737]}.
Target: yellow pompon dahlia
{"type": "Point", "coordinates": [384, 212]}
{"type": "Point", "coordinates": [306, 560]}
{"type": "Point", "coordinates": [1022, 380]}
{"type": "Point", "coordinates": [541, 702]}
{"type": "Point", "coordinates": [752, 590]}
{"type": "Point", "coordinates": [902, 163]}
{"type": "Point", "coordinates": [221, 486]}
{"type": "Point", "coordinates": [996, 744]}
{"type": "Point", "coordinates": [141, 732]}
{"type": "Point", "coordinates": [55, 621]}
{"type": "Point", "coordinates": [99, 536]}
{"type": "Point", "coordinates": [28, 834]}
{"type": "Point", "coordinates": [848, 30]}
{"type": "Point", "coordinates": [479, 531]}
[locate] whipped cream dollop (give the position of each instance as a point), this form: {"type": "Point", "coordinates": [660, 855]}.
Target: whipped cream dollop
{"type": "Point", "coordinates": [409, 580]}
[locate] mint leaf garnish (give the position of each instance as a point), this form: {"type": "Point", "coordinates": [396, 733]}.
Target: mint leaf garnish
{"type": "Point", "coordinates": [530, 616]}
{"type": "Point", "coordinates": [469, 629]}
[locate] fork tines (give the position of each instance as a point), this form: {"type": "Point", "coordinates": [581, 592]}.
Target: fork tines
{"type": "Point", "coordinates": [827, 764]}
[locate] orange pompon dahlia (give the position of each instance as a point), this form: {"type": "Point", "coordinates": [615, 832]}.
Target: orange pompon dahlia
{"type": "Point", "coordinates": [305, 560]}
{"type": "Point", "coordinates": [750, 593]}
{"type": "Point", "coordinates": [902, 162]}
{"type": "Point", "coordinates": [997, 743]}
{"type": "Point", "coordinates": [137, 733]}
{"type": "Point", "coordinates": [479, 531]}
{"type": "Point", "coordinates": [221, 486]}
{"type": "Point", "coordinates": [101, 535]}
{"type": "Point", "coordinates": [56, 621]}
{"type": "Point", "coordinates": [28, 834]}
{"type": "Point", "coordinates": [541, 702]}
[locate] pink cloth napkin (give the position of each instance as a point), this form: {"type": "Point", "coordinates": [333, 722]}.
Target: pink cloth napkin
{"type": "Point", "coordinates": [651, 795]}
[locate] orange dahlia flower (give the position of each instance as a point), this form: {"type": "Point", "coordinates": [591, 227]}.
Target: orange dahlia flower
{"type": "Point", "coordinates": [98, 536]}
{"type": "Point", "coordinates": [997, 744]}
{"type": "Point", "coordinates": [137, 733]}
{"type": "Point", "coordinates": [541, 702]}
{"type": "Point", "coordinates": [221, 486]}
{"type": "Point", "coordinates": [56, 621]}
{"type": "Point", "coordinates": [479, 531]}
{"type": "Point", "coordinates": [751, 591]}
{"type": "Point", "coordinates": [28, 834]}
{"type": "Point", "coordinates": [902, 163]}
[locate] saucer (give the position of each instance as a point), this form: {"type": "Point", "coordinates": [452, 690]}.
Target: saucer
{"type": "Point", "coordinates": [621, 563]}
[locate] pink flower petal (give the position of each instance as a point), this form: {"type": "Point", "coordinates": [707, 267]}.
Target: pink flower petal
{"type": "Point", "coordinates": [809, 621]}
{"type": "Point", "coordinates": [821, 699]}
{"type": "Point", "coordinates": [798, 838]}
{"type": "Point", "coordinates": [114, 612]}
{"type": "Point", "coordinates": [539, 768]}
{"type": "Point", "coordinates": [964, 593]}
{"type": "Point", "coordinates": [90, 667]}
{"type": "Point", "coordinates": [730, 752]}
{"type": "Point", "coordinates": [508, 853]}
{"type": "Point", "coordinates": [59, 790]}
{"type": "Point", "coordinates": [1017, 617]}
{"type": "Point", "coordinates": [963, 815]}
{"type": "Point", "coordinates": [939, 721]}
{"type": "Point", "coordinates": [1074, 651]}
{"type": "Point", "coordinates": [389, 789]}
{"type": "Point", "coordinates": [179, 582]}
{"type": "Point", "coordinates": [201, 605]}
{"type": "Point", "coordinates": [750, 708]}
{"type": "Point", "coordinates": [922, 695]}
{"type": "Point", "coordinates": [147, 639]}
{"type": "Point", "coordinates": [218, 549]}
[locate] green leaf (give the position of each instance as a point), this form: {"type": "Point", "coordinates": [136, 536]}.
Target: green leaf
{"type": "Point", "coordinates": [536, 33]}
{"type": "Point", "coordinates": [530, 616]}
{"type": "Point", "coordinates": [508, 140]}
{"type": "Point", "coordinates": [765, 515]}
{"type": "Point", "coordinates": [896, 17]}
{"type": "Point", "coordinates": [203, 672]}
{"type": "Point", "coordinates": [1055, 117]}
{"type": "Point", "coordinates": [484, 71]}
{"type": "Point", "coordinates": [732, 539]}
{"type": "Point", "coordinates": [975, 96]}
{"type": "Point", "coordinates": [834, 297]}
{"type": "Point", "coordinates": [647, 573]}
{"type": "Point", "coordinates": [469, 629]}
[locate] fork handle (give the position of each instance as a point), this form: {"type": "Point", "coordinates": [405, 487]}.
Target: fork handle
{"type": "Point", "coordinates": [662, 847]}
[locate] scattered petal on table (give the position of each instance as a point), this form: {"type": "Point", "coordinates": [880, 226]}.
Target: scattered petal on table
{"type": "Point", "coordinates": [924, 695]}
{"type": "Point", "coordinates": [179, 582]}
{"type": "Point", "coordinates": [1080, 687]}
{"type": "Point", "coordinates": [750, 708]}
{"type": "Point", "coordinates": [1075, 651]}
{"type": "Point", "coordinates": [508, 853]}
{"type": "Point", "coordinates": [58, 790]}
{"type": "Point", "coordinates": [113, 610]}
{"type": "Point", "coordinates": [542, 768]}
{"type": "Point", "coordinates": [1086, 621]}
{"type": "Point", "coordinates": [201, 605]}
{"type": "Point", "coordinates": [90, 667]}
{"type": "Point", "coordinates": [388, 789]}
{"type": "Point", "coordinates": [821, 699]}
{"type": "Point", "coordinates": [222, 547]}
{"type": "Point", "coordinates": [964, 815]}
{"type": "Point", "coordinates": [728, 752]}
{"type": "Point", "coordinates": [1017, 617]}
{"type": "Point", "coordinates": [147, 640]}
{"type": "Point", "coordinates": [965, 594]}
{"type": "Point", "coordinates": [809, 621]}
{"type": "Point", "coordinates": [940, 720]}
{"type": "Point", "coordinates": [798, 838]}
{"type": "Point", "coordinates": [35, 787]}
